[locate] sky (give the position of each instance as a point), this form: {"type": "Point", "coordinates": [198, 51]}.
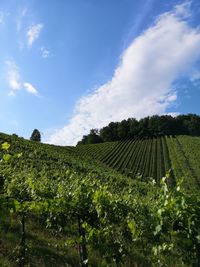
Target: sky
{"type": "Point", "coordinates": [69, 66]}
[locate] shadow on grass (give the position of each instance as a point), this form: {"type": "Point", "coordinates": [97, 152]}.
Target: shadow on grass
{"type": "Point", "coordinates": [42, 254]}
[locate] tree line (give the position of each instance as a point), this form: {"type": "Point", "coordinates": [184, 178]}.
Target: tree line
{"type": "Point", "coordinates": [147, 127]}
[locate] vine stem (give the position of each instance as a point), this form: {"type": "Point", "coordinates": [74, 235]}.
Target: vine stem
{"type": "Point", "coordinates": [82, 245]}
{"type": "Point", "coordinates": [23, 242]}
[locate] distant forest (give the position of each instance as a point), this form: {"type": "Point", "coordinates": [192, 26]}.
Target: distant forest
{"type": "Point", "coordinates": [148, 127]}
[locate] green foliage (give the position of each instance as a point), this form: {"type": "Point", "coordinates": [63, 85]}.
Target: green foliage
{"type": "Point", "coordinates": [5, 146]}
{"type": "Point", "coordinates": [92, 138]}
{"type": "Point", "coordinates": [184, 152]}
{"type": "Point", "coordinates": [177, 225]}
{"type": "Point", "coordinates": [116, 219]}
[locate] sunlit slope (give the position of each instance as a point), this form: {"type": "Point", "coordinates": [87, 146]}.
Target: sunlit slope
{"type": "Point", "coordinates": [97, 151]}
{"type": "Point", "coordinates": [38, 153]}
{"type": "Point", "coordinates": [151, 157]}
{"type": "Point", "coordinates": [184, 153]}
{"type": "Point", "coordinates": [148, 157]}
{"type": "Point", "coordinates": [45, 158]}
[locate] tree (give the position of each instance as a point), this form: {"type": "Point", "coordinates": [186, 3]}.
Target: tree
{"type": "Point", "coordinates": [123, 130]}
{"type": "Point", "coordinates": [36, 136]}
{"type": "Point", "coordinates": [110, 132]}
{"type": "Point", "coordinates": [133, 127]}
{"type": "Point", "coordinates": [92, 138]}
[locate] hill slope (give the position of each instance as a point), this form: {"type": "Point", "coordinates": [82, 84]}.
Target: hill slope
{"type": "Point", "coordinates": [151, 157]}
{"type": "Point", "coordinates": [148, 157]}
{"type": "Point", "coordinates": [61, 202]}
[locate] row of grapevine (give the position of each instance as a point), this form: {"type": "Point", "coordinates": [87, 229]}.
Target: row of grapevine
{"type": "Point", "coordinates": [167, 163]}
{"type": "Point", "coordinates": [52, 158]}
{"type": "Point", "coordinates": [133, 224]}
{"type": "Point", "coordinates": [95, 150]}
{"type": "Point", "coordinates": [180, 164]}
{"type": "Point", "coordinates": [151, 157]}
{"type": "Point", "coordinates": [191, 148]}
{"type": "Point", "coordinates": [146, 158]}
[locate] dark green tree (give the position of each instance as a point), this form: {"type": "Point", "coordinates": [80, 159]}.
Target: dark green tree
{"type": "Point", "coordinates": [92, 138]}
{"type": "Point", "coordinates": [106, 134]}
{"type": "Point", "coordinates": [123, 130]}
{"type": "Point", "coordinates": [133, 128]}
{"type": "Point", "coordinates": [36, 136]}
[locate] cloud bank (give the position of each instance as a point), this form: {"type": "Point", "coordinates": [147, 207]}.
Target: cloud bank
{"type": "Point", "coordinates": [142, 82]}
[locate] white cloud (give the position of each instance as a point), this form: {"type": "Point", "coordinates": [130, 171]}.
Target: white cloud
{"type": "Point", "coordinates": [173, 114]}
{"type": "Point", "coordinates": [22, 14]}
{"type": "Point", "coordinates": [15, 81]}
{"type": "Point", "coordinates": [45, 52]}
{"type": "Point", "coordinates": [142, 82]}
{"type": "Point", "coordinates": [33, 33]}
{"type": "Point", "coordinates": [30, 88]}
{"type": "Point", "coordinates": [13, 76]}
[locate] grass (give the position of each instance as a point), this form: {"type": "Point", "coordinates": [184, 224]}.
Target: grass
{"type": "Point", "coordinates": [43, 247]}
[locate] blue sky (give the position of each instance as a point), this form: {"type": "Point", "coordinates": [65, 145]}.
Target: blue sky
{"type": "Point", "coordinates": [71, 65]}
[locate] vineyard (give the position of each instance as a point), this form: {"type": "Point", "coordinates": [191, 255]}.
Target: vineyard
{"type": "Point", "coordinates": [184, 153]}
{"type": "Point", "coordinates": [152, 157]}
{"type": "Point", "coordinates": [100, 205]}
{"type": "Point", "coordinates": [148, 157]}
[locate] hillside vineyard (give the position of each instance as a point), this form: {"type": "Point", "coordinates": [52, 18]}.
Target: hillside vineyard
{"type": "Point", "coordinates": [151, 157]}
{"type": "Point", "coordinates": [123, 203]}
